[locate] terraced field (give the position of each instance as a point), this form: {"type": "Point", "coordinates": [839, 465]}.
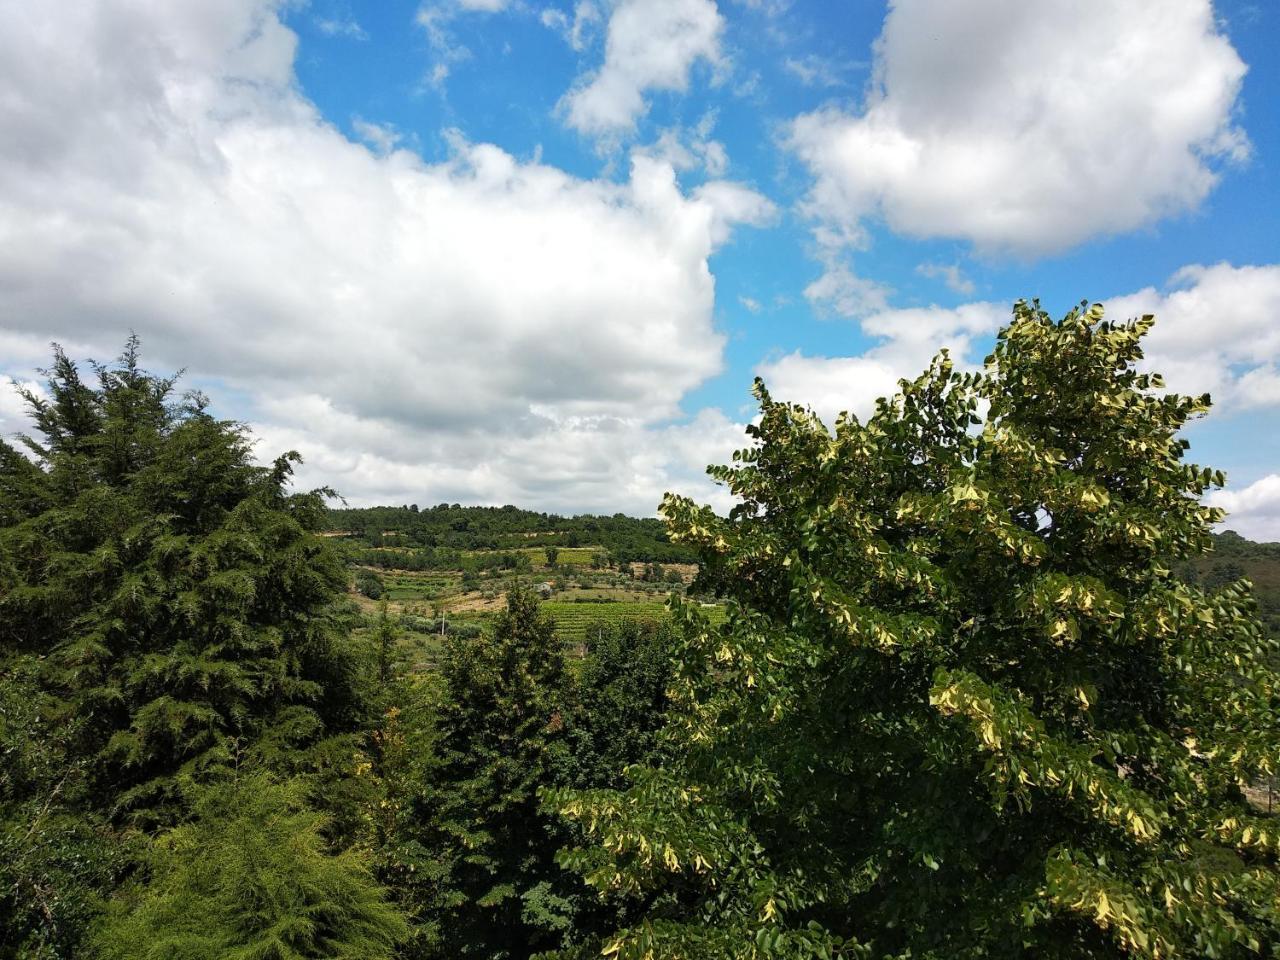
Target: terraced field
{"type": "Point", "coordinates": [412, 585]}
{"type": "Point", "coordinates": [573, 619]}
{"type": "Point", "coordinates": [565, 556]}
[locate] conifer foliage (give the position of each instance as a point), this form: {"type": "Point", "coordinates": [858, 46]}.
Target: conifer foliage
{"type": "Point", "coordinates": [492, 888]}
{"type": "Point", "coordinates": [249, 878]}
{"type": "Point", "coordinates": [169, 588]}
{"type": "Point", "coordinates": [165, 617]}
{"type": "Point", "coordinates": [962, 707]}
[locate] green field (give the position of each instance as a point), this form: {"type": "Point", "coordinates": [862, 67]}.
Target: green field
{"type": "Point", "coordinates": [425, 585]}
{"type": "Point", "coordinates": [566, 557]}
{"type": "Point", "coordinates": [573, 619]}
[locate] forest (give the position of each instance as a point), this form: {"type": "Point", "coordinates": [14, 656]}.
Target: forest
{"type": "Point", "coordinates": [977, 676]}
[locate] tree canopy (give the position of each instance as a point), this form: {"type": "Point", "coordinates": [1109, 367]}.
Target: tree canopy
{"type": "Point", "coordinates": [962, 706]}
{"type": "Point", "coordinates": [250, 877]}
{"type": "Point", "coordinates": [165, 616]}
{"type": "Point", "coordinates": [169, 586]}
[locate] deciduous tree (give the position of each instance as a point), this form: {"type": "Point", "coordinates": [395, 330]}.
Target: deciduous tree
{"type": "Point", "coordinates": [961, 707]}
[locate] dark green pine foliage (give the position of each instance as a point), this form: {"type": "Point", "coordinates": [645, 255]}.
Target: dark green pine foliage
{"type": "Point", "coordinates": [491, 888]}
{"type": "Point", "coordinates": [57, 860]}
{"type": "Point", "coordinates": [171, 590]}
{"type": "Point", "coordinates": [621, 699]}
{"type": "Point", "coordinates": [962, 707]}
{"type": "Point", "coordinates": [249, 878]}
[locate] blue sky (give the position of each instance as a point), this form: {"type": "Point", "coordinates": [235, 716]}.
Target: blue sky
{"type": "Point", "coordinates": [534, 252]}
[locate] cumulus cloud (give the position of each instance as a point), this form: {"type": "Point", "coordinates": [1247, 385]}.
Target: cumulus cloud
{"type": "Point", "coordinates": [1217, 331]}
{"type": "Point", "coordinates": [486, 316]}
{"type": "Point", "coordinates": [1253, 511]}
{"type": "Point", "coordinates": [688, 149]}
{"type": "Point", "coordinates": [841, 291]}
{"type": "Point", "coordinates": [732, 204]}
{"type": "Point", "coordinates": [1029, 127]}
{"type": "Point", "coordinates": [649, 45]}
{"type": "Point", "coordinates": [909, 338]}
{"type": "Point", "coordinates": [566, 465]}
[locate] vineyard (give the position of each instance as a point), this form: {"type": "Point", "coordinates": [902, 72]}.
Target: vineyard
{"type": "Point", "coordinates": [565, 556]}
{"type": "Point", "coordinates": [410, 585]}
{"type": "Point", "coordinates": [574, 619]}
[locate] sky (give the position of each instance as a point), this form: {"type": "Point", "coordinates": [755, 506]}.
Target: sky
{"type": "Point", "coordinates": [534, 251]}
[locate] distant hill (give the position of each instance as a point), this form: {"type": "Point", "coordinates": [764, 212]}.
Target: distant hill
{"type": "Point", "coordinates": [454, 527]}
{"type": "Point", "coordinates": [1234, 557]}
{"type": "Point", "coordinates": [634, 539]}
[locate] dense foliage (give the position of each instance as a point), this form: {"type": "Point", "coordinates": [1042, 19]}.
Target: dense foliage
{"type": "Point", "coordinates": [250, 877]}
{"type": "Point", "coordinates": [472, 852]}
{"type": "Point", "coordinates": [962, 706]}
{"type": "Point", "coordinates": [165, 614]}
{"type": "Point", "coordinates": [168, 587]}
{"type": "Point", "coordinates": [983, 691]}
{"type": "Point", "coordinates": [450, 529]}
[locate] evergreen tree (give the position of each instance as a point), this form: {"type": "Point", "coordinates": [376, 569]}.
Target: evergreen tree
{"type": "Point", "coordinates": [962, 707]}
{"type": "Point", "coordinates": [173, 590]}
{"type": "Point", "coordinates": [56, 860]}
{"type": "Point", "coordinates": [621, 699]}
{"type": "Point", "coordinates": [250, 879]}
{"type": "Point", "coordinates": [491, 887]}
{"type": "Point", "coordinates": [386, 636]}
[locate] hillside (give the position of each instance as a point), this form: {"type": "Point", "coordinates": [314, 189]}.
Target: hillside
{"type": "Point", "coordinates": [452, 527]}
{"type": "Point", "coordinates": [1235, 557]}
{"type": "Point", "coordinates": [449, 568]}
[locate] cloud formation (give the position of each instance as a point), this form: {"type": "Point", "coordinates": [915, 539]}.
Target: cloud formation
{"type": "Point", "coordinates": [1217, 332]}
{"type": "Point", "coordinates": [909, 339]}
{"type": "Point", "coordinates": [1026, 128]}
{"type": "Point", "coordinates": [649, 45]}
{"type": "Point", "coordinates": [1253, 511]}
{"type": "Point", "coordinates": [487, 316]}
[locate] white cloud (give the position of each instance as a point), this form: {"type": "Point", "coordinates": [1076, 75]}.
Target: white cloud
{"type": "Point", "coordinates": [382, 137]}
{"type": "Point", "coordinates": [909, 340]}
{"type": "Point", "coordinates": [948, 273]}
{"type": "Point", "coordinates": [650, 45]}
{"type": "Point", "coordinates": [341, 27]}
{"type": "Point", "coordinates": [485, 316]}
{"type": "Point", "coordinates": [1029, 127]}
{"type": "Point", "coordinates": [568, 465]}
{"type": "Point", "coordinates": [732, 203]}
{"type": "Point", "coordinates": [813, 70]}
{"type": "Point", "coordinates": [842, 291]}
{"type": "Point", "coordinates": [1217, 331]}
{"type": "Point", "coordinates": [1253, 511]}
{"type": "Point", "coordinates": [15, 418]}
{"type": "Point", "coordinates": [751, 304]}
{"type": "Point", "coordinates": [578, 31]}
{"type": "Point", "coordinates": [692, 148]}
